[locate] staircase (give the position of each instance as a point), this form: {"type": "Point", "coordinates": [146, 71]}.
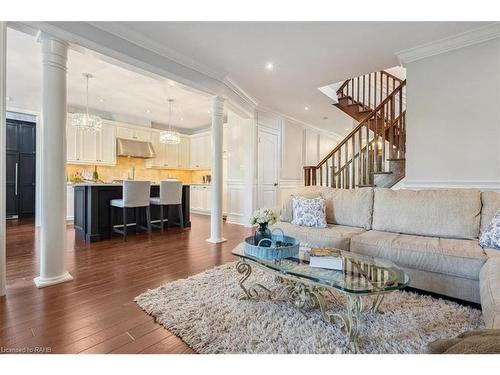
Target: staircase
{"type": "Point", "coordinates": [373, 153]}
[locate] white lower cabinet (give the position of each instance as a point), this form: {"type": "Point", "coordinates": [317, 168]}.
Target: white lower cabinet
{"type": "Point", "coordinates": [201, 197]}
{"type": "Point", "coordinates": [70, 203]}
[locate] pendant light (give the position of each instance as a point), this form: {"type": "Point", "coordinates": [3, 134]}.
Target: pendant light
{"type": "Point", "coordinates": [84, 120]}
{"type": "Point", "coordinates": [170, 137]}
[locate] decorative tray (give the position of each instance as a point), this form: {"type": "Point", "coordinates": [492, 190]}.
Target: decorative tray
{"type": "Point", "coordinates": [278, 246]}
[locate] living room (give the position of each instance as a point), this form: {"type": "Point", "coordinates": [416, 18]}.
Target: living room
{"type": "Point", "coordinates": [342, 200]}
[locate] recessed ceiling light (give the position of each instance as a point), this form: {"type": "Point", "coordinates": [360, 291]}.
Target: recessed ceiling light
{"type": "Point", "coordinates": [101, 100]}
{"type": "Point", "coordinates": [148, 110]}
{"type": "Point", "coordinates": [306, 108]}
{"type": "Point", "coordinates": [270, 66]}
{"type": "Point", "coordinates": [347, 128]}
{"type": "Point", "coordinates": [325, 118]}
{"type": "Point", "coordinates": [208, 111]}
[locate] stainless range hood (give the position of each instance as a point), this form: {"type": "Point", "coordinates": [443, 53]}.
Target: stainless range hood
{"type": "Point", "coordinates": [135, 149]}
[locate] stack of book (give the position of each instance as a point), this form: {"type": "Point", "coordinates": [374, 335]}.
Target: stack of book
{"type": "Point", "coordinates": [326, 258]}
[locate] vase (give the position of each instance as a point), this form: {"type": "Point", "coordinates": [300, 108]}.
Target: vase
{"type": "Point", "coordinates": [262, 232]}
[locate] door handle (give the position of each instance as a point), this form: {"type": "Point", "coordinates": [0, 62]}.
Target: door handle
{"type": "Point", "coordinates": [17, 169]}
{"type": "Point", "coordinates": [275, 184]}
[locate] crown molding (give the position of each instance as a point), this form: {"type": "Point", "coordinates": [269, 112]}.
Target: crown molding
{"type": "Point", "coordinates": [451, 43]}
{"type": "Point", "coordinates": [231, 85]}
{"type": "Point", "coordinates": [121, 31]}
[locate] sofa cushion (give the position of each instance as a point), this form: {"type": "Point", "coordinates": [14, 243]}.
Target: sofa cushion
{"type": "Point", "coordinates": [489, 284]}
{"type": "Point", "coordinates": [352, 207]}
{"type": "Point", "coordinates": [286, 210]}
{"type": "Point", "coordinates": [461, 258]}
{"type": "Point", "coordinates": [337, 236]}
{"type": "Point", "coordinates": [490, 205]}
{"type": "Point", "coordinates": [452, 213]}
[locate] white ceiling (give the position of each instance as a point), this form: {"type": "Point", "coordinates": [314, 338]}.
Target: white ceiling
{"type": "Point", "coordinates": [118, 93]}
{"type": "Point", "coordinates": [306, 55]}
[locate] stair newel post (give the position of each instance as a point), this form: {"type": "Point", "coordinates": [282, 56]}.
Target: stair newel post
{"type": "Point", "coordinates": [383, 135]}
{"type": "Point", "coordinates": [338, 172]}
{"type": "Point", "coordinates": [321, 175]}
{"type": "Point", "coordinates": [391, 131]}
{"type": "Point", "coordinates": [353, 160]}
{"type": "Point", "coordinates": [327, 181]}
{"type": "Point", "coordinates": [381, 88]}
{"type": "Point", "coordinates": [367, 165]}
{"type": "Point", "coordinates": [360, 146]}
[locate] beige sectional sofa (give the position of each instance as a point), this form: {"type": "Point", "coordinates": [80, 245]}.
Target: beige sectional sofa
{"type": "Point", "coordinates": [431, 234]}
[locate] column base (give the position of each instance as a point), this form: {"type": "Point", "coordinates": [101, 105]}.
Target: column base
{"type": "Point", "coordinates": [43, 282]}
{"type": "Point", "coordinates": [216, 240]}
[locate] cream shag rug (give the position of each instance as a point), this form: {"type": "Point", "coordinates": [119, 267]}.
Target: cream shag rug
{"type": "Point", "coordinates": [205, 312]}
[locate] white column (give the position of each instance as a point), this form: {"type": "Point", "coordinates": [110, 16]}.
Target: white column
{"type": "Point", "coordinates": [3, 76]}
{"type": "Point", "coordinates": [53, 167]}
{"type": "Point", "coordinates": [217, 188]}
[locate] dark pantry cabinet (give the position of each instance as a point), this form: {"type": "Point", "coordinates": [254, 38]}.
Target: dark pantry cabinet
{"type": "Point", "coordinates": [20, 168]}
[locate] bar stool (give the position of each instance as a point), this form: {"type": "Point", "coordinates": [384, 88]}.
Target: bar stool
{"type": "Point", "coordinates": [170, 195]}
{"type": "Point", "coordinates": [135, 195]}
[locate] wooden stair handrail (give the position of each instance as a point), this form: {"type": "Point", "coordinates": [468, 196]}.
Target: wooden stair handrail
{"type": "Point", "coordinates": [360, 125]}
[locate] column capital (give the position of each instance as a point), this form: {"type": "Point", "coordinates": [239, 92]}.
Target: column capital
{"type": "Point", "coordinates": [54, 50]}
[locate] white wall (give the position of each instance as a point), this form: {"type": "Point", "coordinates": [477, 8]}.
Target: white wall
{"type": "Point", "coordinates": [453, 118]}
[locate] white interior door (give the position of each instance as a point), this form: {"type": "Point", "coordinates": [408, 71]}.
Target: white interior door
{"type": "Point", "coordinates": [267, 164]}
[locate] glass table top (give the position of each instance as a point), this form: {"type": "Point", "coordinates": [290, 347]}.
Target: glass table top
{"type": "Point", "coordinates": [360, 274]}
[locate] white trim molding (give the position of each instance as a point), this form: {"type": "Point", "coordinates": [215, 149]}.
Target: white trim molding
{"type": "Point", "coordinates": [3, 97]}
{"type": "Point", "coordinates": [450, 43]}
{"type": "Point", "coordinates": [493, 185]}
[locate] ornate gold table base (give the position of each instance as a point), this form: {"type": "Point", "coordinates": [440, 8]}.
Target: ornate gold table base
{"type": "Point", "coordinates": [302, 291]}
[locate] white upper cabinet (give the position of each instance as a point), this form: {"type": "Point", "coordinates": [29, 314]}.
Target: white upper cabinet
{"type": "Point", "coordinates": [84, 147]}
{"type": "Point", "coordinates": [169, 156]}
{"type": "Point", "coordinates": [201, 151]}
{"type": "Point", "coordinates": [135, 134]}
{"type": "Point", "coordinates": [184, 152]}
{"type": "Point", "coordinates": [107, 145]}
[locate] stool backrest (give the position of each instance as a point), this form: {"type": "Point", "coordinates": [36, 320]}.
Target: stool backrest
{"type": "Point", "coordinates": [171, 192]}
{"type": "Point", "coordinates": [136, 193]}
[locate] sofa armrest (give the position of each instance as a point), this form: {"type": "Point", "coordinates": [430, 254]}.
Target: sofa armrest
{"type": "Point", "coordinates": [489, 283]}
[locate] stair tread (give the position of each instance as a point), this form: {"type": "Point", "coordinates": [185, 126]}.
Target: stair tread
{"type": "Point", "coordinates": [388, 172]}
{"type": "Point", "coordinates": [396, 159]}
{"type": "Point", "coordinates": [365, 185]}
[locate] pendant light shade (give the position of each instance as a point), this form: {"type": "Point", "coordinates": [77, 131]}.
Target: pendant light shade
{"type": "Point", "coordinates": [170, 137]}
{"type": "Point", "coordinates": [84, 120]}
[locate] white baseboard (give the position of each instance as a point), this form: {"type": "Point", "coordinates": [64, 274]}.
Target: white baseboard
{"type": "Point", "coordinates": [493, 185]}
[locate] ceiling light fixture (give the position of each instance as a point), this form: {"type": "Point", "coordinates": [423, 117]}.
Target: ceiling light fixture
{"type": "Point", "coordinates": [86, 121]}
{"type": "Point", "coordinates": [148, 110]}
{"type": "Point", "coordinates": [270, 66]}
{"type": "Point", "coordinates": [306, 108]}
{"type": "Point", "coordinates": [170, 137]}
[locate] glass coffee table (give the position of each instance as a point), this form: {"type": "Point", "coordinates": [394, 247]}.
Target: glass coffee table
{"type": "Point", "coordinates": [362, 276]}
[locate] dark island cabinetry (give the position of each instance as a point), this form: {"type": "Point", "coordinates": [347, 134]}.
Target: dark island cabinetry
{"type": "Point", "coordinates": [92, 212]}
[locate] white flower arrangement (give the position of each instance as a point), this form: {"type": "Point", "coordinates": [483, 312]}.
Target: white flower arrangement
{"type": "Point", "coordinates": [263, 216]}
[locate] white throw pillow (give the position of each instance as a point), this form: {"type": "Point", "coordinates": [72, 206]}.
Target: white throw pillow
{"type": "Point", "coordinates": [491, 236]}
{"type": "Point", "coordinates": [309, 212]}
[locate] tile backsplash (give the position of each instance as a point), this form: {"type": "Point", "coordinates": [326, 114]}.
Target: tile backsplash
{"type": "Point", "coordinates": [123, 169]}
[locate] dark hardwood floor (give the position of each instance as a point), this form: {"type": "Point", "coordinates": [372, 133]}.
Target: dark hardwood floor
{"type": "Point", "coordinates": [95, 313]}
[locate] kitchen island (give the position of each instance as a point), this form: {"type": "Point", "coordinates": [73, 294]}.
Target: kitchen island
{"type": "Point", "coordinates": [92, 209]}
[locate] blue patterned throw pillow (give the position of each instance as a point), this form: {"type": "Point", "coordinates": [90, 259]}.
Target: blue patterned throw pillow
{"type": "Point", "coordinates": [309, 212]}
{"type": "Point", "coordinates": [491, 236]}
